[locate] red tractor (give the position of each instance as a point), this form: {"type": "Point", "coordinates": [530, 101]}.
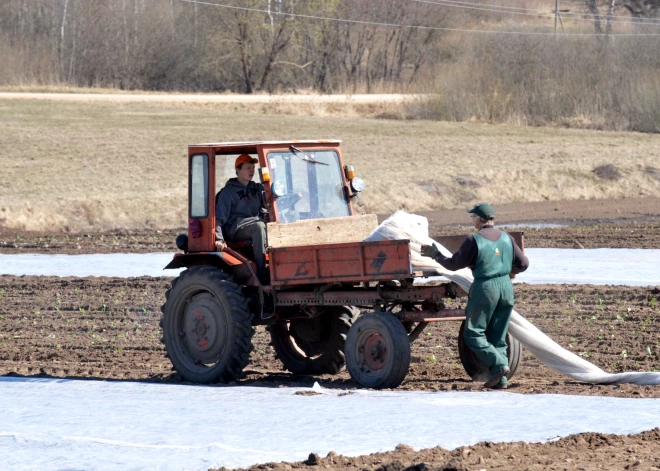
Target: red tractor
{"type": "Point", "coordinates": [333, 300]}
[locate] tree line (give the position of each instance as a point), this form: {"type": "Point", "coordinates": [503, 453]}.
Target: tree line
{"type": "Point", "coordinates": [263, 45]}
{"type": "Point", "coordinates": [175, 45]}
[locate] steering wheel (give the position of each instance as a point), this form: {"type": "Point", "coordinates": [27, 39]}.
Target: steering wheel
{"type": "Point", "coordinates": [288, 200]}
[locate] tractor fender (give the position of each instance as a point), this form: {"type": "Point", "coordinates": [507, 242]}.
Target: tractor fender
{"type": "Point", "coordinates": [221, 260]}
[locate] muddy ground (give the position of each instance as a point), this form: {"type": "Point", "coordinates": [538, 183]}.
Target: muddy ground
{"type": "Point", "coordinates": [107, 328]}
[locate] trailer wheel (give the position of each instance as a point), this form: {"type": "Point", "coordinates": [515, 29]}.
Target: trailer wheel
{"type": "Point", "coordinates": [475, 369]}
{"type": "Point", "coordinates": [378, 351]}
{"type": "Point", "coordinates": [207, 328]}
{"type": "Point", "coordinates": [314, 346]}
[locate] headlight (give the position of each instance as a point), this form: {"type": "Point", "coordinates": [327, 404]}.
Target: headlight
{"type": "Point", "coordinates": [278, 188]}
{"type": "Point", "coordinates": [357, 184]}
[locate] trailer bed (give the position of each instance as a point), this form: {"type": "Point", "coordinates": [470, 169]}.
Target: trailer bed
{"type": "Point", "coordinates": [343, 262]}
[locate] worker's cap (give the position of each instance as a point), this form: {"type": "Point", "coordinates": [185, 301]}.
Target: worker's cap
{"type": "Point", "coordinates": [244, 159]}
{"type": "Point", "coordinates": [483, 210]}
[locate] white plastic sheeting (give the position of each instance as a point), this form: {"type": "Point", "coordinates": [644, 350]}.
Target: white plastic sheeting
{"type": "Point", "coordinates": [627, 267]}
{"type": "Point", "coordinates": [123, 265]}
{"type": "Point", "coordinates": [631, 267]}
{"type": "Point", "coordinates": [48, 424]}
{"type": "Point", "coordinates": [402, 225]}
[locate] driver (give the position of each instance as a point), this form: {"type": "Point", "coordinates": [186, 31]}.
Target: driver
{"type": "Point", "coordinates": [239, 212]}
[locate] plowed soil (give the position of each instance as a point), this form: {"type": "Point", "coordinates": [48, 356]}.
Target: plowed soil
{"type": "Point", "coordinates": [585, 451]}
{"type": "Point", "coordinates": [108, 328]}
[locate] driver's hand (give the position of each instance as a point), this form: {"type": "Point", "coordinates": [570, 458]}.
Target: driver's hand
{"type": "Point", "coordinates": [430, 251]}
{"type": "Point", "coordinates": [220, 245]}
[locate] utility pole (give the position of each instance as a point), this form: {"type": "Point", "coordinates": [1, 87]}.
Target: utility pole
{"type": "Point", "coordinates": [558, 17]}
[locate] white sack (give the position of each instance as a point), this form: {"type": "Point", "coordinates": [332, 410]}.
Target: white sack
{"type": "Point", "coordinates": [402, 225]}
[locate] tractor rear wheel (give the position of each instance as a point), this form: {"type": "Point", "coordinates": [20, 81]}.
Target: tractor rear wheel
{"type": "Point", "coordinates": [378, 351]}
{"type": "Point", "coordinates": [314, 345]}
{"type": "Point", "coordinates": [207, 328]}
{"type": "Point", "coordinates": [475, 369]}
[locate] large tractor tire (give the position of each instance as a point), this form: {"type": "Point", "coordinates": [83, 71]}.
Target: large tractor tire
{"type": "Point", "coordinates": [207, 328]}
{"type": "Point", "coordinates": [314, 346]}
{"type": "Point", "coordinates": [378, 351]}
{"type": "Point", "coordinates": [475, 369]}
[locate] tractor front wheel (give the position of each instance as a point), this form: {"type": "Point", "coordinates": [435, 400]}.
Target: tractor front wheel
{"type": "Point", "coordinates": [475, 369]}
{"type": "Point", "coordinates": [314, 346]}
{"type": "Point", "coordinates": [207, 328]}
{"type": "Point", "coordinates": [378, 351]}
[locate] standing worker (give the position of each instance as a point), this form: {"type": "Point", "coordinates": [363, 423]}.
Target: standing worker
{"type": "Point", "coordinates": [494, 258]}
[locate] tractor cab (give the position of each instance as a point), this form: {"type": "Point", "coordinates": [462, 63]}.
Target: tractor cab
{"type": "Point", "coordinates": [302, 180]}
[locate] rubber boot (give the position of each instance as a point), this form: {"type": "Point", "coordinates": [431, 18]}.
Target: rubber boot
{"type": "Point", "coordinates": [495, 378]}
{"type": "Point", "coordinates": [503, 384]}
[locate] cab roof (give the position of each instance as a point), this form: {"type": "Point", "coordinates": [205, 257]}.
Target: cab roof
{"type": "Point", "coordinates": [231, 147]}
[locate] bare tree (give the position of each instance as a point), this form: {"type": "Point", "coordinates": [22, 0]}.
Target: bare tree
{"type": "Point", "coordinates": [610, 14]}
{"type": "Point", "coordinates": [165, 44]}
{"type": "Point", "coordinates": [642, 8]}
{"type": "Point", "coordinates": [592, 5]}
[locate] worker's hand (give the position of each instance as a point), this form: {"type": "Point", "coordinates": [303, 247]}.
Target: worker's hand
{"type": "Point", "coordinates": [220, 245]}
{"type": "Point", "coordinates": [430, 251]}
{"type": "Point", "coordinates": [512, 275]}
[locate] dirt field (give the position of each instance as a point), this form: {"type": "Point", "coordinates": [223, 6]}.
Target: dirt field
{"type": "Point", "coordinates": [94, 328]}
{"type": "Point", "coordinates": [586, 451]}
{"type": "Point", "coordinates": [108, 329]}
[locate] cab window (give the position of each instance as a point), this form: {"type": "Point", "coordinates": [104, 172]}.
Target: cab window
{"type": "Point", "coordinates": [199, 190]}
{"type": "Point", "coordinates": [310, 184]}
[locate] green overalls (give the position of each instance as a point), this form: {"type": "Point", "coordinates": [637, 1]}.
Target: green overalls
{"type": "Point", "coordinates": [490, 303]}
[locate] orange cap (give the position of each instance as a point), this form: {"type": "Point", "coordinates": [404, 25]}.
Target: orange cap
{"type": "Point", "coordinates": [244, 159]}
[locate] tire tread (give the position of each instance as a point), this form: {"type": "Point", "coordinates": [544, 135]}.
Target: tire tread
{"type": "Point", "coordinates": [222, 286]}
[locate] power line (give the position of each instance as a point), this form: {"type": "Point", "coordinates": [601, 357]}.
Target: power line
{"type": "Point", "coordinates": [653, 20]}
{"type": "Point", "coordinates": [476, 6]}
{"type": "Point", "coordinates": [395, 25]}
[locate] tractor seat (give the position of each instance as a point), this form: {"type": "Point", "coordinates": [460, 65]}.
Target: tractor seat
{"type": "Point", "coordinates": [239, 245]}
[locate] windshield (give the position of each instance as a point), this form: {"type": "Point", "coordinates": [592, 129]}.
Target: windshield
{"type": "Point", "coordinates": [311, 182]}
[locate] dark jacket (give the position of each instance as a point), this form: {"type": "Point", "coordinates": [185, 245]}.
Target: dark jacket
{"type": "Point", "coordinates": [466, 256]}
{"type": "Point", "coordinates": [237, 206]}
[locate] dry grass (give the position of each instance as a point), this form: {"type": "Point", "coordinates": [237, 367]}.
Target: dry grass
{"type": "Point", "coordinates": [77, 166]}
